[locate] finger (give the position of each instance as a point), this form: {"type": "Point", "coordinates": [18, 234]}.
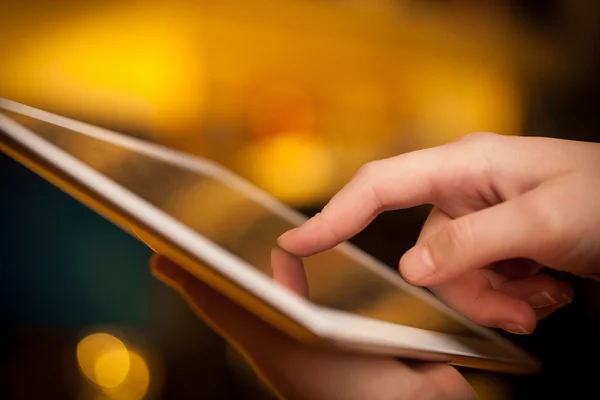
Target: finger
{"type": "Point", "coordinates": [538, 291]}
{"type": "Point", "coordinates": [399, 182]}
{"type": "Point", "coordinates": [544, 294]}
{"type": "Point", "coordinates": [519, 228]}
{"type": "Point", "coordinates": [288, 271]}
{"type": "Point", "coordinates": [543, 312]}
{"type": "Point", "coordinates": [435, 222]}
{"type": "Point", "coordinates": [517, 268]}
{"type": "Point", "coordinates": [473, 296]}
{"type": "Point", "coordinates": [566, 298]}
{"type": "Point", "coordinates": [502, 271]}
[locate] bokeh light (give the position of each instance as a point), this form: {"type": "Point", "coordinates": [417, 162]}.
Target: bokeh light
{"type": "Point", "coordinates": [118, 372]}
{"type": "Point", "coordinates": [136, 384]}
{"type": "Point", "coordinates": [296, 167]}
{"type": "Point", "coordinates": [111, 368]}
{"type": "Point", "coordinates": [103, 359]}
{"type": "Point", "coordinates": [239, 83]}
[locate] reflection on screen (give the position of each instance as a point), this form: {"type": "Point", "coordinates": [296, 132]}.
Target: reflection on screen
{"type": "Point", "coordinates": [247, 229]}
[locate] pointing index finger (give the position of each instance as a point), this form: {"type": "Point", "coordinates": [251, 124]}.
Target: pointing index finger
{"type": "Point", "coordinates": [399, 182]}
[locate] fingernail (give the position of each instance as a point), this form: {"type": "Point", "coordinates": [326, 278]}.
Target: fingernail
{"type": "Point", "coordinates": [286, 234]}
{"type": "Point", "coordinates": [515, 328]}
{"type": "Point", "coordinates": [543, 299]}
{"type": "Point", "coordinates": [566, 298]}
{"type": "Point", "coordinates": [417, 264]}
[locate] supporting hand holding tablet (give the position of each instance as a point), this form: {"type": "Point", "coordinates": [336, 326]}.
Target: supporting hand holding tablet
{"type": "Point", "coordinates": [297, 371]}
{"type": "Point", "coordinates": [504, 206]}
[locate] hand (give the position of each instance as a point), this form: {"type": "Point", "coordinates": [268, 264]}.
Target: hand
{"type": "Point", "coordinates": [296, 371]}
{"type": "Point", "coordinates": [503, 207]}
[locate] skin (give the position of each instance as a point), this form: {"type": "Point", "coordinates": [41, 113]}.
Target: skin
{"type": "Point", "coordinates": [296, 371]}
{"type": "Point", "coordinates": [503, 208]}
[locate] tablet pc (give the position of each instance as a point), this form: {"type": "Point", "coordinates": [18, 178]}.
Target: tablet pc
{"type": "Point", "coordinates": [223, 229]}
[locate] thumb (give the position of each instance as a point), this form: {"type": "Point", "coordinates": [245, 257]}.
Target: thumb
{"type": "Point", "coordinates": [524, 227]}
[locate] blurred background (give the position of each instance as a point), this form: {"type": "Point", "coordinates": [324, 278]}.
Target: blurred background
{"type": "Point", "coordinates": [294, 95]}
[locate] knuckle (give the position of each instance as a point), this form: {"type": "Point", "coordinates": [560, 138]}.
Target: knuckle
{"type": "Point", "coordinates": [368, 179]}
{"type": "Point", "coordinates": [480, 137]}
{"type": "Point", "coordinates": [368, 170]}
{"type": "Point", "coordinates": [483, 149]}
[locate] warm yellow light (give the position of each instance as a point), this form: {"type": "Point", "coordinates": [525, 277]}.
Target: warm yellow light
{"type": "Point", "coordinates": [120, 373]}
{"type": "Point", "coordinates": [449, 101]}
{"type": "Point", "coordinates": [280, 108]}
{"type": "Point", "coordinates": [296, 167]}
{"type": "Point", "coordinates": [135, 386]}
{"type": "Point", "coordinates": [103, 359]}
{"type": "Point", "coordinates": [111, 368]}
{"type": "Point", "coordinates": [138, 68]}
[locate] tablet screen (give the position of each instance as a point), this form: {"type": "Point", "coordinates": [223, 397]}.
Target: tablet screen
{"type": "Point", "coordinates": [223, 214]}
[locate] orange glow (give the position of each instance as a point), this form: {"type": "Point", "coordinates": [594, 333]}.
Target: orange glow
{"type": "Point", "coordinates": [342, 86]}
{"type": "Point", "coordinates": [448, 104]}
{"type": "Point", "coordinates": [111, 368]}
{"type": "Point", "coordinates": [124, 66]}
{"type": "Point", "coordinates": [121, 374]}
{"type": "Point", "coordinates": [294, 166]}
{"type": "Point", "coordinates": [103, 359]}
{"type": "Point", "coordinates": [135, 386]}
{"type": "Point", "coordinates": [282, 108]}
